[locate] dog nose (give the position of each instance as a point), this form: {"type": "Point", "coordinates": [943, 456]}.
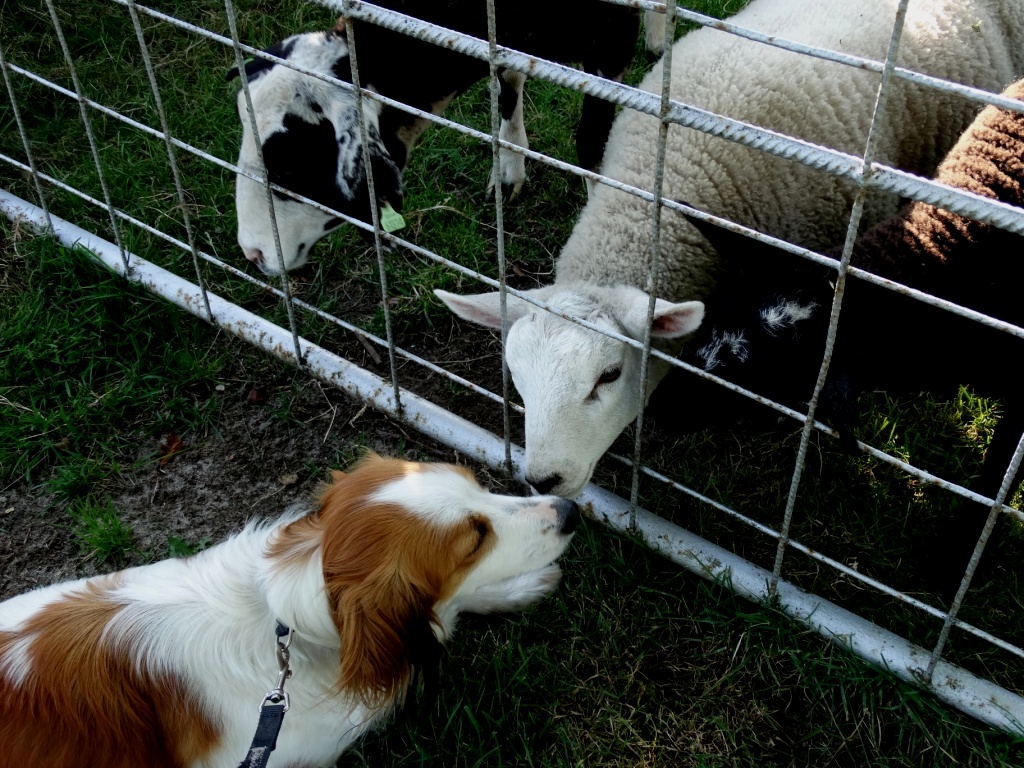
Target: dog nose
{"type": "Point", "coordinates": [568, 515]}
{"type": "Point", "coordinates": [545, 485]}
{"type": "Point", "coordinates": [255, 255]}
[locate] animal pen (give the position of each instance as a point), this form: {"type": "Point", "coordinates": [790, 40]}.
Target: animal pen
{"type": "Point", "coordinates": [170, 254]}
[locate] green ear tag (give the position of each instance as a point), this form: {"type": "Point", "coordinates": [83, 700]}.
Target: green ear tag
{"type": "Point", "coordinates": [390, 219]}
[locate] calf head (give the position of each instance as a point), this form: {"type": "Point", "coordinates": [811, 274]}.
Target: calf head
{"type": "Point", "coordinates": [311, 142]}
{"type": "Point", "coordinates": [580, 388]}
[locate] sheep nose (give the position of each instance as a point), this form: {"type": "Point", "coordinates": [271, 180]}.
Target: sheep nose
{"type": "Point", "coordinates": [544, 485]}
{"type": "Point", "coordinates": [255, 255]}
{"type": "Point", "coordinates": [568, 515]}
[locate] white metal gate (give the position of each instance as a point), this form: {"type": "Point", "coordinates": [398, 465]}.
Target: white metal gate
{"type": "Point", "coordinates": [982, 698]}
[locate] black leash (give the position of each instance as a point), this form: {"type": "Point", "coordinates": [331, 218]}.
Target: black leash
{"type": "Point", "coordinates": [272, 708]}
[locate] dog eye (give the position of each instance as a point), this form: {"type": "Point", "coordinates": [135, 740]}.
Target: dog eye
{"type": "Point", "coordinates": [482, 531]}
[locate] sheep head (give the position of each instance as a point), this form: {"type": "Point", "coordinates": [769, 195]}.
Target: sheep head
{"type": "Point", "coordinates": [312, 145]}
{"type": "Point", "coordinates": [580, 387]}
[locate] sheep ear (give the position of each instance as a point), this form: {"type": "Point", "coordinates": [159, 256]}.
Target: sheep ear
{"type": "Point", "coordinates": [670, 320]}
{"type": "Point", "coordinates": [485, 308]}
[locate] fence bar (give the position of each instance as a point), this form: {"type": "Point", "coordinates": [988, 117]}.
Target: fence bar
{"type": "Point", "coordinates": [975, 696]}
{"type": "Point", "coordinates": [652, 274]}
{"type": "Point", "coordinates": [849, 60]}
{"type": "Point", "coordinates": [87, 123]}
{"type": "Point", "coordinates": [884, 177]}
{"type": "Point", "coordinates": [229, 9]}
{"type": "Point", "coordinates": [171, 159]}
{"type": "Point", "coordinates": [371, 191]}
{"type": "Point", "coordinates": [25, 143]}
{"type": "Point", "coordinates": [562, 166]}
{"type": "Point", "coordinates": [844, 266]}
{"type": "Point", "coordinates": [820, 158]}
{"type": "Point", "coordinates": [765, 530]}
{"type": "Point", "coordinates": [925, 477]}
{"type": "Point", "coordinates": [499, 215]}
{"type": "Point", "coordinates": [972, 566]}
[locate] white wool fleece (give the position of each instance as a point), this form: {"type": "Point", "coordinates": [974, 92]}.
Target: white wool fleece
{"type": "Point", "coordinates": [973, 42]}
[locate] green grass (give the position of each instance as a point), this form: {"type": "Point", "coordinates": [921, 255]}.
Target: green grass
{"type": "Point", "coordinates": [86, 359]}
{"type": "Point", "coordinates": [633, 663]}
{"type": "Point", "coordinates": [101, 534]}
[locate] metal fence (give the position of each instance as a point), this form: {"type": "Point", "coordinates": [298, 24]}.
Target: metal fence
{"type": "Point", "coordinates": [969, 692]}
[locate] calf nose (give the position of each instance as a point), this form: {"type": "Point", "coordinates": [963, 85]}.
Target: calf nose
{"type": "Point", "coordinates": [544, 485]}
{"type": "Point", "coordinates": [255, 255]}
{"type": "Point", "coordinates": [568, 515]}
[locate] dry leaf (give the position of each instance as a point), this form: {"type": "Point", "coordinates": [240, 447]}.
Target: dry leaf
{"type": "Point", "coordinates": [257, 394]}
{"type": "Point", "coordinates": [170, 446]}
{"type": "Point", "coordinates": [290, 479]}
{"type": "Point", "coordinates": [62, 444]}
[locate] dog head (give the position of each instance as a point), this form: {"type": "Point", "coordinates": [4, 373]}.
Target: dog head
{"type": "Point", "coordinates": [406, 546]}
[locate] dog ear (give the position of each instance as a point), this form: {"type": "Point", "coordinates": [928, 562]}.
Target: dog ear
{"type": "Point", "coordinates": [336, 475]}
{"type": "Point", "coordinates": [387, 638]}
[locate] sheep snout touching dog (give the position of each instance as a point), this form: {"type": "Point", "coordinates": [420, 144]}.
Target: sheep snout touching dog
{"type": "Point", "coordinates": [310, 132]}
{"type": "Point", "coordinates": [166, 664]}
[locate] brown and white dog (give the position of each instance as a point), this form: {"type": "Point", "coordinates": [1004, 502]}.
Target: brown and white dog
{"type": "Point", "coordinates": [166, 664]}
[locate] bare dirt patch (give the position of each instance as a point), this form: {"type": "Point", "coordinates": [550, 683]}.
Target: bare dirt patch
{"type": "Point", "coordinates": [255, 462]}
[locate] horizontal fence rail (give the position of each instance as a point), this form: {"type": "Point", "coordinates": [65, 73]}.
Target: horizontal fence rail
{"type": "Point", "coordinates": [958, 687]}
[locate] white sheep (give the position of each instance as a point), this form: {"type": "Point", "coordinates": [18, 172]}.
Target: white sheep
{"type": "Point", "coordinates": [580, 388]}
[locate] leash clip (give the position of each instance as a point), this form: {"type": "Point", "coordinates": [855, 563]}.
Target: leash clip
{"type": "Point", "coordinates": [277, 696]}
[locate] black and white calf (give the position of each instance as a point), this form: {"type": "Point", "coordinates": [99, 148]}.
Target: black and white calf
{"type": "Point", "coordinates": [310, 132]}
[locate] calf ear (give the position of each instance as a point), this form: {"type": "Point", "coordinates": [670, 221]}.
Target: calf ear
{"type": "Point", "coordinates": [485, 308]}
{"type": "Point", "coordinates": [670, 320]}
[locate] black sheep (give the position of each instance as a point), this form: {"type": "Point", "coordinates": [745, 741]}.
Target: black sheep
{"type": "Point", "coordinates": [765, 326]}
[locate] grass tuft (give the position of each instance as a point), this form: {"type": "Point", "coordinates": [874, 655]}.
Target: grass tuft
{"type": "Point", "coordinates": [101, 534]}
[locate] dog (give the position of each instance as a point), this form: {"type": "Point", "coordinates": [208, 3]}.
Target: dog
{"type": "Point", "coordinates": [166, 665]}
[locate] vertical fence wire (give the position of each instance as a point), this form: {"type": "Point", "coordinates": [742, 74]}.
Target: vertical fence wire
{"type": "Point", "coordinates": [652, 275]}
{"type": "Point", "coordinates": [972, 566]}
{"type": "Point", "coordinates": [844, 265]}
{"type": "Point", "coordinates": [93, 146]}
{"type": "Point", "coordinates": [371, 190]}
{"type": "Point", "coordinates": [171, 158]}
{"type": "Point", "coordinates": [499, 219]}
{"type": "Point", "coordinates": [229, 9]}
{"type": "Point", "coordinates": [24, 139]}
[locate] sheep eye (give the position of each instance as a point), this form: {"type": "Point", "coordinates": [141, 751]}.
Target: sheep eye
{"type": "Point", "coordinates": [609, 375]}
